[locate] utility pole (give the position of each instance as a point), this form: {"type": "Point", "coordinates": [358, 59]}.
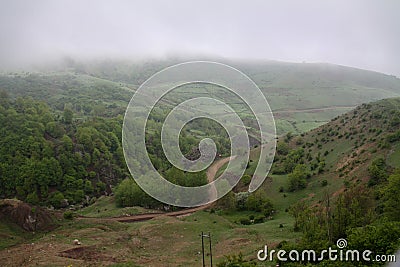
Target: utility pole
{"type": "Point", "coordinates": [202, 247]}
{"type": "Point", "coordinates": [209, 238]}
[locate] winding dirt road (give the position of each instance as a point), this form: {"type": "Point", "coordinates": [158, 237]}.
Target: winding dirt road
{"type": "Point", "coordinates": [211, 172]}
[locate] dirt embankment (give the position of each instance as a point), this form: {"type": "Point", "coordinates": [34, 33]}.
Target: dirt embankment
{"type": "Point", "coordinates": [26, 216]}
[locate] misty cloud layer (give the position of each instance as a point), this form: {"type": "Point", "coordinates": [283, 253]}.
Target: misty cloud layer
{"type": "Point", "coordinates": [360, 33]}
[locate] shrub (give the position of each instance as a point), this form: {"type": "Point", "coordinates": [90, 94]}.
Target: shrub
{"type": "Point", "coordinates": [259, 219]}
{"type": "Point", "coordinates": [32, 198]}
{"type": "Point", "coordinates": [259, 202]}
{"type": "Point", "coordinates": [377, 171]}
{"type": "Point", "coordinates": [246, 179]}
{"type": "Point", "coordinates": [297, 179]}
{"type": "Point", "coordinates": [391, 138]}
{"type": "Point", "coordinates": [56, 199]}
{"type": "Point", "coordinates": [68, 215]}
{"type": "Point", "coordinates": [245, 221]}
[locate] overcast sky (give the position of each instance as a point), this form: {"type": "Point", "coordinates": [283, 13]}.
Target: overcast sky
{"type": "Point", "coordinates": [359, 33]}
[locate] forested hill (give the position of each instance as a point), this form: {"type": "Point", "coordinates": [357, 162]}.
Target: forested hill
{"type": "Point", "coordinates": [46, 157]}
{"type": "Point", "coordinates": [85, 95]}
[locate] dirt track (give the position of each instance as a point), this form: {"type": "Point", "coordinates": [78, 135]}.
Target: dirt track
{"type": "Point", "coordinates": [211, 172]}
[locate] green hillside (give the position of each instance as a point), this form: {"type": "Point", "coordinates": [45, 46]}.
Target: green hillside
{"type": "Point", "coordinates": [347, 161]}
{"type": "Point", "coordinates": [342, 174]}
{"type": "Point", "coordinates": [306, 95]}
{"type": "Point", "coordinates": [60, 140]}
{"type": "Point", "coordinates": [302, 95]}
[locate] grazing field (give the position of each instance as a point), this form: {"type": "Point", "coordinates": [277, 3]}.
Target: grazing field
{"type": "Point", "coordinates": [161, 241]}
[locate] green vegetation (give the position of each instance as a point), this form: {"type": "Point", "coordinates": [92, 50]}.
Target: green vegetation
{"type": "Point", "coordinates": [391, 197]}
{"type": "Point", "coordinates": [61, 145]}
{"type": "Point", "coordinates": [335, 183]}
{"type": "Point", "coordinates": [394, 158]}
{"type": "Point", "coordinates": [12, 234]}
{"type": "Point", "coordinates": [303, 96]}
{"type": "Point", "coordinates": [106, 206]}
{"type": "Point", "coordinates": [46, 158]}
{"type": "Point", "coordinates": [128, 194]}
{"type": "Point", "coordinates": [57, 160]}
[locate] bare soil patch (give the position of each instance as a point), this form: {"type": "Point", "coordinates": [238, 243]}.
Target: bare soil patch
{"type": "Point", "coordinates": [86, 253]}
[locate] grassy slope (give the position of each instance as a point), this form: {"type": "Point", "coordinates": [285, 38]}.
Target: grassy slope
{"type": "Point", "coordinates": [163, 241]}
{"type": "Point", "coordinates": [105, 207]}
{"type": "Point", "coordinates": [302, 86]}
{"type": "Point", "coordinates": [348, 157]}
{"type": "Point", "coordinates": [11, 234]}
{"type": "Point", "coordinates": [393, 158]}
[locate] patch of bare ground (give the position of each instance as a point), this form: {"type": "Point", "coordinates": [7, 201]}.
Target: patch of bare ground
{"type": "Point", "coordinates": [87, 253]}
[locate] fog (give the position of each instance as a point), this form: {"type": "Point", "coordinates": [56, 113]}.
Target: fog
{"type": "Point", "coordinates": [360, 33]}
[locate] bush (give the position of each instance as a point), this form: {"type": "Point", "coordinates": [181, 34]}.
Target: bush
{"type": "Point", "coordinates": [68, 215]}
{"type": "Point", "coordinates": [282, 148]}
{"type": "Point", "coordinates": [259, 202]}
{"type": "Point", "coordinates": [241, 200]}
{"type": "Point", "coordinates": [391, 138]}
{"type": "Point", "coordinates": [78, 195]}
{"type": "Point", "coordinates": [56, 199]}
{"type": "Point", "coordinates": [245, 221]}
{"type": "Point", "coordinates": [246, 179]}
{"type": "Point", "coordinates": [259, 219]}
{"type": "Point", "coordinates": [297, 179]}
{"type": "Point", "coordinates": [32, 198]}
{"type": "Point", "coordinates": [377, 171]}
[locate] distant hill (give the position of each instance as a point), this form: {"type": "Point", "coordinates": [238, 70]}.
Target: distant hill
{"type": "Point", "coordinates": [303, 96]}
{"type": "Point", "coordinates": [306, 95]}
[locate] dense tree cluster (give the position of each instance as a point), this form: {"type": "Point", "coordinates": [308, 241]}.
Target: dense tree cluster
{"type": "Point", "coordinates": [46, 157]}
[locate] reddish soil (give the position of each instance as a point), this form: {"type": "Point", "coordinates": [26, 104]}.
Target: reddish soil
{"type": "Point", "coordinates": [86, 253]}
{"type": "Point", "coordinates": [26, 216]}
